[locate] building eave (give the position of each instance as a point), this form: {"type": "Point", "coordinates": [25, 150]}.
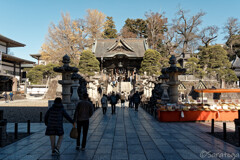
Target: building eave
{"type": "Point", "coordinates": [10, 42]}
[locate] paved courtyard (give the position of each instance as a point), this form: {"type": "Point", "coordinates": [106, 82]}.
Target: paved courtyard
{"type": "Point", "coordinates": [128, 135]}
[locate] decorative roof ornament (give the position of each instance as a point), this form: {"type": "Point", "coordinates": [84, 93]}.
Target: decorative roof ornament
{"type": "Point", "coordinates": [66, 59]}
{"type": "Point", "coordinates": [65, 67]}
{"type": "Point", "coordinates": [173, 68]}
{"type": "Point", "coordinates": [120, 44]}
{"type": "Point", "coordinates": [201, 85]}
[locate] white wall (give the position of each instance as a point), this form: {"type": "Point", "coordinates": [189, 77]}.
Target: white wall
{"type": "Point", "coordinates": [2, 49]}
{"type": "Point", "coordinates": [36, 90]}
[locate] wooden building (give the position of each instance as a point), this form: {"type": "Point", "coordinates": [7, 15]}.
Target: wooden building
{"type": "Point", "coordinates": [10, 66]}
{"type": "Point", "coordinates": [120, 56]}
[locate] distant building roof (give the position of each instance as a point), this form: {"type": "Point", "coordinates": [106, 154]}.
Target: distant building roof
{"type": "Point", "coordinates": [16, 59]}
{"type": "Point", "coordinates": [131, 47]}
{"type": "Point", "coordinates": [236, 63]}
{"type": "Point", "coordinates": [36, 56]}
{"type": "Point", "coordinates": [10, 42]}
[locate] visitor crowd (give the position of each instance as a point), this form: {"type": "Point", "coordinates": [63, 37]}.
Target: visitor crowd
{"type": "Point", "coordinates": [84, 110]}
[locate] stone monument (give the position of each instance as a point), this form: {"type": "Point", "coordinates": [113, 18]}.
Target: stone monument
{"type": "Point", "coordinates": [164, 86]}
{"type": "Point", "coordinates": [66, 83]}
{"type": "Point", "coordinates": [173, 71]}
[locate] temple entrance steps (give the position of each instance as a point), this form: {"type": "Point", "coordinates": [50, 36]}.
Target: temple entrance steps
{"type": "Point", "coordinates": [121, 86]}
{"type": "Point", "coordinates": [125, 87]}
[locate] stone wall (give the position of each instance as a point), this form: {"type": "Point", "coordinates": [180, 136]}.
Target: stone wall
{"type": "Point", "coordinates": [22, 114]}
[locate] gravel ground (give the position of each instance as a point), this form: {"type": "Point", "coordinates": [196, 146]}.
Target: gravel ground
{"type": "Point", "coordinates": [23, 110]}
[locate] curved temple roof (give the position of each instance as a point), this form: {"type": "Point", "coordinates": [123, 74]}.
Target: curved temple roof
{"type": "Point", "coordinates": [131, 47]}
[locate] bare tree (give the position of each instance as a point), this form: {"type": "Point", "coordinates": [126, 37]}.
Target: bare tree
{"type": "Point", "coordinates": [187, 27]}
{"type": "Point", "coordinates": [171, 40]}
{"type": "Point", "coordinates": [231, 28]}
{"type": "Point", "coordinates": [125, 33]}
{"type": "Point", "coordinates": [156, 26]}
{"type": "Point", "coordinates": [208, 34]}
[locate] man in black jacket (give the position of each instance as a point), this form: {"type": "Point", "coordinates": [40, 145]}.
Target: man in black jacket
{"type": "Point", "coordinates": [136, 100]}
{"type": "Point", "coordinates": [83, 112]}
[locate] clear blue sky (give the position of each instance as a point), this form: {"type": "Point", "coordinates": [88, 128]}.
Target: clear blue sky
{"type": "Point", "coordinates": [27, 21]}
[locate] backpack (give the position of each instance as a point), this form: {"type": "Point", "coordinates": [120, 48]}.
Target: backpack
{"type": "Point", "coordinates": [103, 101]}
{"type": "Point", "coordinates": [113, 99]}
{"type": "Point", "coordinates": [122, 97]}
{"type": "Point", "coordinates": [136, 98]}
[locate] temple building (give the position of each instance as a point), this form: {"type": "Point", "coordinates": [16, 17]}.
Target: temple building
{"type": "Point", "coordinates": [236, 68]}
{"type": "Point", "coordinates": [120, 56]}
{"type": "Point", "coordinates": [10, 66]}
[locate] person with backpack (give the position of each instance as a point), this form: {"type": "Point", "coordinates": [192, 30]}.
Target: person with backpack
{"type": "Point", "coordinates": [136, 100]}
{"type": "Point", "coordinates": [104, 102]}
{"type": "Point", "coordinates": [123, 98]}
{"type": "Point", "coordinates": [54, 122]}
{"type": "Point", "coordinates": [113, 101]}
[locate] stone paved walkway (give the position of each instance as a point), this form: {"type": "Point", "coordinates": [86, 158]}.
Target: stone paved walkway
{"type": "Point", "coordinates": [128, 135]}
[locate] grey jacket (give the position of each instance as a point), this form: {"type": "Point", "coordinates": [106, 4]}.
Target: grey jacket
{"type": "Point", "coordinates": [84, 111]}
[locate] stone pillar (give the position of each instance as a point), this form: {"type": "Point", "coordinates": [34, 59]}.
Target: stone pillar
{"type": "Point", "coordinates": [173, 91]}
{"type": "Point", "coordinates": [66, 89]}
{"type": "Point", "coordinates": [75, 85]}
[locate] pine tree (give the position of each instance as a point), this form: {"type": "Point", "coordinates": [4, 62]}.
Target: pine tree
{"type": "Point", "coordinates": [38, 73]}
{"type": "Point", "coordinates": [109, 29]}
{"type": "Point", "coordinates": [88, 63]}
{"type": "Point", "coordinates": [151, 63]}
{"type": "Point", "coordinates": [215, 62]}
{"type": "Point", "coordinates": [194, 68]}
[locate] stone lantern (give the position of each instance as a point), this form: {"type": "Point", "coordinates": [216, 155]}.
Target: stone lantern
{"type": "Point", "coordinates": [164, 86]}
{"type": "Point", "coordinates": [66, 83]}
{"type": "Point", "coordinates": [173, 71]}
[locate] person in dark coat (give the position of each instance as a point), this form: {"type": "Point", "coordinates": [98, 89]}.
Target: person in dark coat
{"type": "Point", "coordinates": [84, 110]}
{"type": "Point", "coordinates": [54, 122]}
{"type": "Point", "coordinates": [136, 100]}
{"type": "Point", "coordinates": [113, 101]}
{"type": "Point", "coordinates": [104, 102]}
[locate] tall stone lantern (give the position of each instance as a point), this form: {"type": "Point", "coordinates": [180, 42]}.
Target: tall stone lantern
{"type": "Point", "coordinates": [173, 71]}
{"type": "Point", "coordinates": [66, 83]}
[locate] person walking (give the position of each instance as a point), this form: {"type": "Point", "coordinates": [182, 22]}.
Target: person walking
{"type": "Point", "coordinates": [123, 98]}
{"type": "Point", "coordinates": [113, 101]}
{"type": "Point", "coordinates": [104, 102]}
{"type": "Point", "coordinates": [5, 97]}
{"type": "Point", "coordinates": [84, 110]}
{"type": "Point", "coordinates": [136, 100]}
{"type": "Point", "coordinates": [54, 122]}
{"type": "Point", "coordinates": [11, 96]}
